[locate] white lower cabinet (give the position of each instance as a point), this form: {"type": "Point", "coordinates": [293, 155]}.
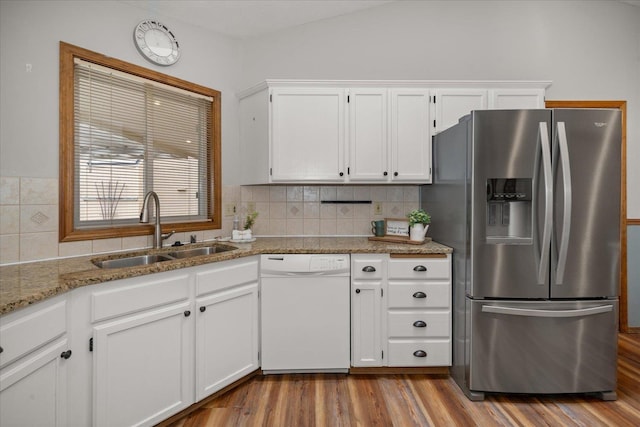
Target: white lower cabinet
{"type": "Point", "coordinates": [142, 350]}
{"type": "Point", "coordinates": [400, 310]}
{"type": "Point", "coordinates": [161, 342]}
{"type": "Point", "coordinates": [419, 311]}
{"type": "Point", "coordinates": [368, 277]}
{"type": "Point", "coordinates": [34, 359]}
{"type": "Point", "coordinates": [227, 325]}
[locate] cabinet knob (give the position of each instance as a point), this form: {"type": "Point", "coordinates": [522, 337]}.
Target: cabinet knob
{"type": "Point", "coordinates": [419, 268]}
{"type": "Point", "coordinates": [203, 309]}
{"type": "Point", "coordinates": [65, 354]}
{"type": "Point", "coordinates": [341, 173]}
{"type": "Point", "coordinates": [187, 313]}
{"type": "Point", "coordinates": [420, 353]}
{"type": "Point", "coordinates": [385, 173]}
{"type": "Point", "coordinates": [369, 269]}
{"type": "Point", "coordinates": [395, 174]}
{"type": "Point", "coordinates": [1, 349]}
{"type": "Point", "coordinates": [419, 324]}
{"type": "Point", "coordinates": [419, 295]}
{"type": "Point", "coordinates": [357, 291]}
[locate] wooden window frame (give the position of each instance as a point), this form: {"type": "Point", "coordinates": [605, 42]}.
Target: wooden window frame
{"type": "Point", "coordinates": [67, 230]}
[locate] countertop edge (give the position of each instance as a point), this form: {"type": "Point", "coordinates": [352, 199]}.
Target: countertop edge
{"type": "Point", "coordinates": [22, 285]}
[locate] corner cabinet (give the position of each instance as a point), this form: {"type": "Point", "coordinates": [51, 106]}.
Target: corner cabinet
{"type": "Point", "coordinates": [376, 132]}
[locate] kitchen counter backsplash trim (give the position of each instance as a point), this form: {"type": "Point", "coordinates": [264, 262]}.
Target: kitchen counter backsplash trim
{"type": "Point", "coordinates": [24, 284]}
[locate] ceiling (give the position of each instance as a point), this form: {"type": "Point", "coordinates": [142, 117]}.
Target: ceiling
{"type": "Point", "coordinates": [251, 18]}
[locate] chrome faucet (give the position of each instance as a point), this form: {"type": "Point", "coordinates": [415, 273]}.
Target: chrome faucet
{"type": "Point", "coordinates": [145, 213]}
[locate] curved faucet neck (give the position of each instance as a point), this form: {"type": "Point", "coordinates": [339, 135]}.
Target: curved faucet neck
{"type": "Point", "coordinates": [145, 215]}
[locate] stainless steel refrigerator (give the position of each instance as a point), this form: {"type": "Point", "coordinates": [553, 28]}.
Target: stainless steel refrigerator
{"type": "Point", "coordinates": [530, 202]}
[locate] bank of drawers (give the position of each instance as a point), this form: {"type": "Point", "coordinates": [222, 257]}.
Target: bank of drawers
{"type": "Point", "coordinates": [419, 312]}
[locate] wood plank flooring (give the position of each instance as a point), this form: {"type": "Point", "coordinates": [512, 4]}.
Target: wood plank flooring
{"type": "Point", "coordinates": [413, 400]}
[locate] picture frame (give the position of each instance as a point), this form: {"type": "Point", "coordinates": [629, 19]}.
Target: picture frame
{"type": "Point", "coordinates": [396, 227]}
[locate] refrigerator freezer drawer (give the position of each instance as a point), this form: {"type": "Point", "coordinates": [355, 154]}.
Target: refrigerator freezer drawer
{"type": "Point", "coordinates": [543, 346]}
{"type": "Point", "coordinates": [419, 352]}
{"type": "Point", "coordinates": [419, 324]}
{"type": "Point", "coordinates": [419, 295]}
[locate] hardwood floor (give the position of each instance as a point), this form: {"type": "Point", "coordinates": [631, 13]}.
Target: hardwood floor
{"type": "Point", "coordinates": [414, 400]}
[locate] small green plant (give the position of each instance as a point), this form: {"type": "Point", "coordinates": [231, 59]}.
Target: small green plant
{"type": "Point", "coordinates": [418, 216]}
{"type": "Point", "coordinates": [251, 219]}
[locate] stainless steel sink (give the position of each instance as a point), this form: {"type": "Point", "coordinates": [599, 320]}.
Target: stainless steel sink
{"type": "Point", "coordinates": [206, 250]}
{"type": "Point", "coordinates": [132, 261]}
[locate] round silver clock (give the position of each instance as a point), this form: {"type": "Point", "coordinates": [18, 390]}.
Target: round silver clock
{"type": "Point", "coordinates": [156, 42]}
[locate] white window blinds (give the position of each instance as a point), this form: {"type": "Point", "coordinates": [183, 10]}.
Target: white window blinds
{"type": "Point", "coordinates": [131, 136]}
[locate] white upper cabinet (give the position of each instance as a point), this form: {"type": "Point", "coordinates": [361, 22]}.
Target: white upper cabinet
{"type": "Point", "coordinates": [516, 99]}
{"type": "Point", "coordinates": [368, 135]}
{"type": "Point", "coordinates": [352, 131]}
{"type": "Point", "coordinates": [452, 104]}
{"type": "Point", "coordinates": [307, 134]}
{"type": "Point", "coordinates": [410, 136]}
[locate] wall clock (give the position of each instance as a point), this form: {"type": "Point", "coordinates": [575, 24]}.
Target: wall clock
{"type": "Point", "coordinates": [156, 42]}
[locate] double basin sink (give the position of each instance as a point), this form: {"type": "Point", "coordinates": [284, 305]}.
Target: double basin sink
{"type": "Point", "coordinates": [139, 260]}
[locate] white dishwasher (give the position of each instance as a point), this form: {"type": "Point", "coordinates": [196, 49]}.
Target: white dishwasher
{"type": "Point", "coordinates": [305, 304]}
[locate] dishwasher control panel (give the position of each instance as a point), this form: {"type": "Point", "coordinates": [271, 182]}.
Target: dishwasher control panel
{"type": "Point", "coordinates": [291, 264]}
{"type": "Point", "coordinates": [328, 263]}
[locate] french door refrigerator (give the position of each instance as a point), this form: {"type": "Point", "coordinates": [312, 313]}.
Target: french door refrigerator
{"type": "Point", "coordinates": [530, 202]}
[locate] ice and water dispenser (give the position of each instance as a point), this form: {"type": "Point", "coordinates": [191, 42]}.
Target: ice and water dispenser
{"type": "Point", "coordinates": [509, 210]}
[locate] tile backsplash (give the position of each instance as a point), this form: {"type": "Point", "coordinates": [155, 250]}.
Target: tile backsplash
{"type": "Point", "coordinates": [29, 215]}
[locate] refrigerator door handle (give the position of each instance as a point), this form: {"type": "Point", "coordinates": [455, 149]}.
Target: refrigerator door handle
{"type": "Point", "coordinates": [545, 147]}
{"type": "Point", "coordinates": [512, 311]}
{"type": "Point", "coordinates": [566, 218]}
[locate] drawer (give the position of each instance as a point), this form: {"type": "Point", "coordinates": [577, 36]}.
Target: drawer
{"type": "Point", "coordinates": [419, 353]}
{"type": "Point", "coordinates": [225, 275]}
{"type": "Point", "coordinates": [419, 295]}
{"type": "Point", "coordinates": [419, 325]}
{"type": "Point", "coordinates": [367, 268]}
{"type": "Point", "coordinates": [419, 268]}
{"type": "Point", "coordinates": [140, 293]}
{"type": "Point", "coordinates": [26, 330]}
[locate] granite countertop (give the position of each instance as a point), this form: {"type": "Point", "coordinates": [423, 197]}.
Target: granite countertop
{"type": "Point", "coordinates": [25, 284]}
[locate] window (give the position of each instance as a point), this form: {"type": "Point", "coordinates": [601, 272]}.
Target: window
{"type": "Point", "coordinates": [126, 130]}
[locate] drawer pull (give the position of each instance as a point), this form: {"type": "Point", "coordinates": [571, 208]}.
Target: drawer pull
{"type": "Point", "coordinates": [203, 309]}
{"type": "Point", "coordinates": [419, 295]}
{"type": "Point", "coordinates": [66, 354]}
{"type": "Point", "coordinates": [187, 313]}
{"type": "Point", "coordinates": [368, 269]}
{"type": "Point", "coordinates": [420, 353]}
{"type": "Point", "coordinates": [419, 324]}
{"type": "Point", "coordinates": [419, 268]}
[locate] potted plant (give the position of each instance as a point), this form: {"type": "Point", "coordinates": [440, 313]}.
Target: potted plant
{"type": "Point", "coordinates": [419, 221]}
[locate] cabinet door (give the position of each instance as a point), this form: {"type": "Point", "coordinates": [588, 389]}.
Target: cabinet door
{"type": "Point", "coordinates": [366, 323]}
{"type": "Point", "coordinates": [452, 104]}
{"type": "Point", "coordinates": [410, 136]}
{"type": "Point", "coordinates": [516, 99]}
{"type": "Point", "coordinates": [226, 338]}
{"type": "Point", "coordinates": [33, 391]}
{"type": "Point", "coordinates": [368, 135]}
{"type": "Point", "coordinates": [307, 134]}
{"type": "Point", "coordinates": [143, 367]}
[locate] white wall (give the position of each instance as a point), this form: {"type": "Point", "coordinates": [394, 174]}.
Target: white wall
{"type": "Point", "coordinates": [589, 49]}
{"type": "Point", "coordinates": [29, 34]}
